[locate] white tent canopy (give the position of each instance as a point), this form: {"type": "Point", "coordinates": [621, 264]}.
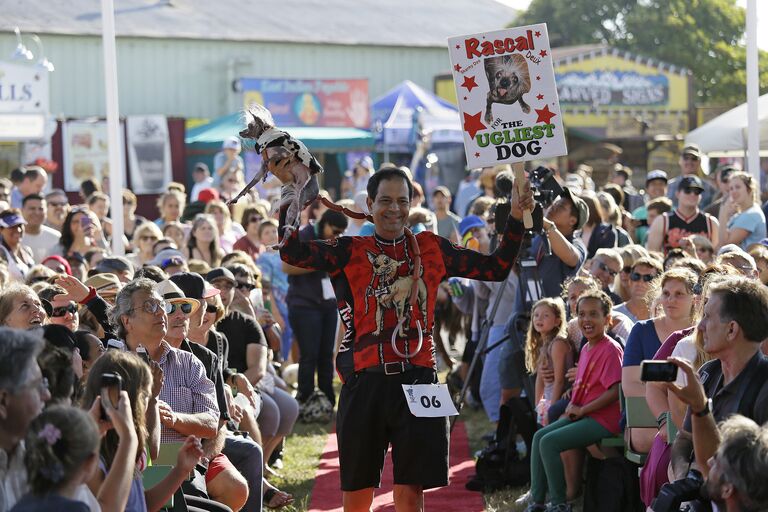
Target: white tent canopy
{"type": "Point", "coordinates": [726, 135]}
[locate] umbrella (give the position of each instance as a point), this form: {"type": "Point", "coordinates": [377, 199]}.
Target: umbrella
{"type": "Point", "coordinates": [726, 135]}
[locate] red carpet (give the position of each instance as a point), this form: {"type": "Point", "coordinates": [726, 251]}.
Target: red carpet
{"type": "Point", "coordinates": [326, 496]}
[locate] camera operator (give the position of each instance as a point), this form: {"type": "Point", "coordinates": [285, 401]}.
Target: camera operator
{"type": "Point", "coordinates": [567, 214]}
{"type": "Point", "coordinates": [734, 324]}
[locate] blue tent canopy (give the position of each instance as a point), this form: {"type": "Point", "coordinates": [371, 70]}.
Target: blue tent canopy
{"type": "Point", "coordinates": [324, 139]}
{"type": "Point", "coordinates": [397, 115]}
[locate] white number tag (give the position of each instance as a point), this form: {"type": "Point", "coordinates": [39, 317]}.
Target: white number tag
{"type": "Point", "coordinates": [429, 400]}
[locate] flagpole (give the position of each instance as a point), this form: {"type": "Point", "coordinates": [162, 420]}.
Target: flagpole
{"type": "Point", "coordinates": [115, 143]}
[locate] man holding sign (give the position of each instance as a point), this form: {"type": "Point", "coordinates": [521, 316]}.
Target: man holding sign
{"type": "Point", "coordinates": [386, 286]}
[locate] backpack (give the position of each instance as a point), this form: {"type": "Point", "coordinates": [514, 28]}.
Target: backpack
{"type": "Point", "coordinates": [500, 464]}
{"type": "Point", "coordinates": [316, 409]}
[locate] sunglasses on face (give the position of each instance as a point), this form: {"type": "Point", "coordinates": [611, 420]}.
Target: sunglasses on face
{"type": "Point", "coordinates": [63, 310]}
{"type": "Point", "coordinates": [626, 270]}
{"type": "Point", "coordinates": [636, 276]}
{"type": "Point", "coordinates": [185, 307]}
{"type": "Point", "coordinates": [245, 286]}
{"type": "Point", "coordinates": [172, 262]}
{"type": "Point", "coordinates": [690, 158]}
{"type": "Point", "coordinates": [602, 266]}
{"type": "Point", "coordinates": [696, 191]}
{"type": "Point", "coordinates": [211, 308]}
{"type": "Point", "coordinates": [254, 219]}
{"type": "Point", "coordinates": [153, 306]}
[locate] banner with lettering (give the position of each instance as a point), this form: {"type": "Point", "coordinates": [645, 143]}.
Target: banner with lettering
{"type": "Point", "coordinates": [507, 96]}
{"type": "Point", "coordinates": [293, 102]}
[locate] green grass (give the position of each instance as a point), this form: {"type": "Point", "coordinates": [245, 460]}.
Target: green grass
{"type": "Point", "coordinates": [303, 449]}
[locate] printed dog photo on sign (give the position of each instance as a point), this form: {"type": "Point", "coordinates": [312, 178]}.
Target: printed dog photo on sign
{"type": "Point", "coordinates": [508, 80]}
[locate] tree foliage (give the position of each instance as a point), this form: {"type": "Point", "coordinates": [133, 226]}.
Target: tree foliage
{"type": "Point", "coordinates": [705, 36]}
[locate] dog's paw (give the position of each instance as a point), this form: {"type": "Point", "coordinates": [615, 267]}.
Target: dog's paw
{"type": "Point", "coordinates": [489, 117]}
{"type": "Point", "coordinates": [526, 109]}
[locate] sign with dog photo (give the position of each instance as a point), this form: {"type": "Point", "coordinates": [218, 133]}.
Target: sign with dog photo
{"type": "Point", "coordinates": [507, 96]}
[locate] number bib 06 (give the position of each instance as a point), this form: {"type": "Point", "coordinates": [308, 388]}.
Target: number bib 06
{"type": "Point", "coordinates": [429, 400]}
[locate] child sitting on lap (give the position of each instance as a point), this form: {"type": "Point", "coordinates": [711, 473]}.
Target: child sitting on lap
{"type": "Point", "coordinates": [593, 412]}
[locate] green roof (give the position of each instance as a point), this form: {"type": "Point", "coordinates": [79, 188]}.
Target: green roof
{"type": "Point", "coordinates": [327, 139]}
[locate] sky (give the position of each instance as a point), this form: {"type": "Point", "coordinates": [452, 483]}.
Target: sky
{"type": "Point", "coordinates": [762, 17]}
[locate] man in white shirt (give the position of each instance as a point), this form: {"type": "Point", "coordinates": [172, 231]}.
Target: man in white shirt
{"type": "Point", "coordinates": [38, 237]}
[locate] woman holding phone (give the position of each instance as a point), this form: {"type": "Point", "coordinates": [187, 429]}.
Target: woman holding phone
{"type": "Point", "coordinates": [79, 234]}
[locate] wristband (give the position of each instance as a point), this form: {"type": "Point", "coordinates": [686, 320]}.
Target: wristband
{"type": "Point", "coordinates": [91, 295]}
{"type": "Point", "coordinates": [662, 419]}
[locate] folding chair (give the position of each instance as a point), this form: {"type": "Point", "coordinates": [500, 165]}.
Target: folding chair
{"type": "Point", "coordinates": [639, 415]}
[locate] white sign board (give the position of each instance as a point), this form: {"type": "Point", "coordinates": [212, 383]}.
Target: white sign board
{"type": "Point", "coordinates": [505, 85]}
{"type": "Point", "coordinates": [23, 89]}
{"type": "Point", "coordinates": [149, 153]}
{"type": "Point", "coordinates": [85, 153]}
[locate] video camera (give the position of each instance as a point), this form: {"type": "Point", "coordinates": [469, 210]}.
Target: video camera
{"type": "Point", "coordinates": [545, 189]}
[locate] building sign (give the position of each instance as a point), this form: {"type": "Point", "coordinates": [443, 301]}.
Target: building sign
{"type": "Point", "coordinates": [24, 101]}
{"type": "Point", "coordinates": [85, 152]}
{"type": "Point", "coordinates": [508, 102]}
{"type": "Point", "coordinates": [612, 89]}
{"type": "Point", "coordinates": [339, 103]}
{"type": "Point", "coordinates": [149, 153]}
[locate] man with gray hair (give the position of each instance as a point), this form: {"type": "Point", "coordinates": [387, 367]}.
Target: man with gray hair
{"type": "Point", "coordinates": [23, 393]}
{"type": "Point", "coordinates": [735, 381]}
{"type": "Point", "coordinates": [187, 401]}
{"type": "Point", "coordinates": [737, 470]}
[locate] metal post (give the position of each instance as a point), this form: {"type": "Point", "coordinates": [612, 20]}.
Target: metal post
{"type": "Point", "coordinates": [753, 125]}
{"type": "Point", "coordinates": [115, 142]}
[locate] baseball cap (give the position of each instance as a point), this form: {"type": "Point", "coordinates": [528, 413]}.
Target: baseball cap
{"type": "Point", "coordinates": [106, 285]}
{"type": "Point", "coordinates": [166, 258]}
{"type": "Point", "coordinates": [60, 259]}
{"type": "Point", "coordinates": [440, 189]}
{"type": "Point", "coordinates": [220, 273]}
{"type": "Point", "coordinates": [581, 207]}
{"type": "Point", "coordinates": [231, 143]}
{"type": "Point", "coordinates": [691, 182]}
{"type": "Point", "coordinates": [114, 264]}
{"type": "Point", "coordinates": [693, 150]}
{"type": "Point", "coordinates": [470, 222]}
{"type": "Point", "coordinates": [656, 174]}
{"type": "Point", "coordinates": [11, 220]}
{"type": "Point", "coordinates": [207, 195]}
{"type": "Point", "coordinates": [193, 285]}
{"type": "Point", "coordinates": [200, 166]}
{"type": "Point", "coordinates": [173, 295]}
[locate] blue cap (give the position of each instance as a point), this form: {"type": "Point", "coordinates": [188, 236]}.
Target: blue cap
{"type": "Point", "coordinates": [469, 222]}
{"type": "Point", "coordinates": [11, 220]}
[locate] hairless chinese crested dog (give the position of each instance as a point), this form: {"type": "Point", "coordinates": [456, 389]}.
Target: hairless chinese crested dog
{"type": "Point", "coordinates": [299, 179]}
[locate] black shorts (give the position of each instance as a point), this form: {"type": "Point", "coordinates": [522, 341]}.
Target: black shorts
{"type": "Point", "coordinates": [372, 415]}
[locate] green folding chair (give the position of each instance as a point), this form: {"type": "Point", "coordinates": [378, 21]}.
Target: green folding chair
{"type": "Point", "coordinates": [639, 415]}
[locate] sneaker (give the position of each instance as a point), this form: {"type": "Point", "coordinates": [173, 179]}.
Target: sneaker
{"type": "Point", "coordinates": [560, 507]}
{"type": "Point", "coordinates": [522, 500]}
{"type": "Point", "coordinates": [536, 507]}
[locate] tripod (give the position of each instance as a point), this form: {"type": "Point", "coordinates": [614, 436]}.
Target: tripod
{"type": "Point", "coordinates": [529, 278]}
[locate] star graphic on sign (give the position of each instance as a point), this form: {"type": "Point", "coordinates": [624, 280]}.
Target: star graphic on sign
{"type": "Point", "coordinates": [545, 116]}
{"type": "Point", "coordinates": [469, 83]}
{"type": "Point", "coordinates": [477, 155]}
{"type": "Point", "coordinates": [538, 77]}
{"type": "Point", "coordinates": [465, 98]}
{"type": "Point", "coordinates": [543, 53]}
{"type": "Point", "coordinates": [537, 33]}
{"type": "Point", "coordinates": [539, 96]}
{"type": "Point", "coordinates": [473, 124]}
{"type": "Point", "coordinates": [458, 46]}
{"type": "Point", "coordinates": [457, 67]}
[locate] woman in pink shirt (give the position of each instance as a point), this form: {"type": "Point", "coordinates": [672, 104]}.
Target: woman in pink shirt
{"type": "Point", "coordinates": [593, 412]}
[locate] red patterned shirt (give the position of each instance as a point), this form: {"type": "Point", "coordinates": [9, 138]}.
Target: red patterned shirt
{"type": "Point", "coordinates": [372, 281]}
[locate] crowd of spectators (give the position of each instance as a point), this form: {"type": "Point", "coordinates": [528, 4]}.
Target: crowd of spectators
{"type": "Point", "coordinates": [170, 361]}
